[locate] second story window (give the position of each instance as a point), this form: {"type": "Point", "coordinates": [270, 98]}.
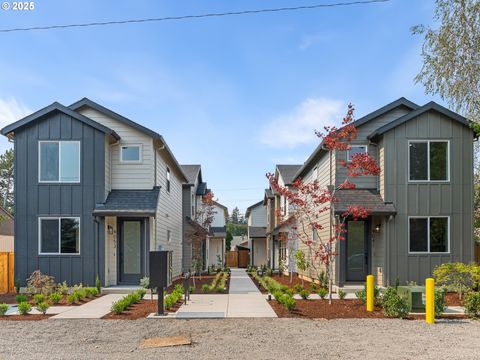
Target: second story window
{"type": "Point", "coordinates": [168, 179]}
{"type": "Point", "coordinates": [131, 154]}
{"type": "Point", "coordinates": [356, 149]}
{"type": "Point", "coordinates": [428, 160]}
{"type": "Point", "coordinates": [169, 236]}
{"type": "Point", "coordinates": [59, 161]}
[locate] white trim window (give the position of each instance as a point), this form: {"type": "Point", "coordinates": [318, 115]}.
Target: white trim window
{"type": "Point", "coordinates": [356, 149]}
{"type": "Point", "coordinates": [59, 235]}
{"type": "Point", "coordinates": [168, 179]}
{"type": "Point", "coordinates": [428, 160]}
{"type": "Point", "coordinates": [429, 234]}
{"type": "Point", "coordinates": [59, 161]}
{"type": "Point", "coordinates": [131, 153]}
{"type": "Point", "coordinates": [169, 236]}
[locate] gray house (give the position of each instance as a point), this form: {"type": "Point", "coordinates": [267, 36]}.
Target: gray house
{"type": "Point", "coordinates": [95, 192]}
{"type": "Point", "coordinates": [421, 204]}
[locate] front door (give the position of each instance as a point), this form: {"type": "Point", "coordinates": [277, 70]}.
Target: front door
{"type": "Point", "coordinates": [131, 251]}
{"type": "Point", "coordinates": [357, 250]}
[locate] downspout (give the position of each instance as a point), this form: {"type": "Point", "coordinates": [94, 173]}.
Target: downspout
{"type": "Point", "coordinates": [96, 248]}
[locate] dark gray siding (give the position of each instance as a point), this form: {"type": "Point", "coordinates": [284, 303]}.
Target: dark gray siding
{"type": "Point", "coordinates": [452, 199]}
{"type": "Point", "coordinates": [33, 200]}
{"type": "Point", "coordinates": [186, 211]}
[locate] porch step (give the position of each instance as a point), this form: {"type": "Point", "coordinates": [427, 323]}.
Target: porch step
{"type": "Point", "coordinates": [121, 289]}
{"type": "Point", "coordinates": [349, 289]}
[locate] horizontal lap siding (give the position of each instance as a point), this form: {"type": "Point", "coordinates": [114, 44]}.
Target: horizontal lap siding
{"type": "Point", "coordinates": [258, 216]}
{"type": "Point", "coordinates": [452, 199]}
{"type": "Point", "coordinates": [33, 200]}
{"type": "Point", "coordinates": [127, 176]}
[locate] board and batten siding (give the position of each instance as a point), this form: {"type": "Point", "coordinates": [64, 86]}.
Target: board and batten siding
{"type": "Point", "coordinates": [453, 199]}
{"type": "Point", "coordinates": [169, 210]}
{"type": "Point", "coordinates": [34, 200]}
{"type": "Point", "coordinates": [127, 175]}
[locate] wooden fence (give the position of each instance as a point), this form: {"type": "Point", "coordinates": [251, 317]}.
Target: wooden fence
{"type": "Point", "coordinates": [239, 258]}
{"type": "Point", "coordinates": [7, 280]}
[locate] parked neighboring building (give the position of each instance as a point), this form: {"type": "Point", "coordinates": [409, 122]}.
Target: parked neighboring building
{"type": "Point", "coordinates": [280, 242]}
{"type": "Point", "coordinates": [6, 231]}
{"type": "Point", "coordinates": [95, 192]}
{"type": "Point", "coordinates": [256, 215]}
{"type": "Point", "coordinates": [217, 234]}
{"type": "Point", "coordinates": [421, 204]}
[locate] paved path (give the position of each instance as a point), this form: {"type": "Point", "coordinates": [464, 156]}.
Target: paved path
{"type": "Point", "coordinates": [243, 300]}
{"type": "Point", "coordinates": [94, 309]}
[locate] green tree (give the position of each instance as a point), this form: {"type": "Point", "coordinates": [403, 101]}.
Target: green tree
{"type": "Point", "coordinates": [6, 180]}
{"type": "Point", "coordinates": [237, 229]}
{"type": "Point", "coordinates": [228, 241]}
{"type": "Point", "coordinates": [235, 215]}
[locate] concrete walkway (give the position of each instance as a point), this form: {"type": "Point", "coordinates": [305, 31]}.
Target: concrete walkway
{"type": "Point", "coordinates": [94, 309]}
{"type": "Point", "coordinates": [243, 300]}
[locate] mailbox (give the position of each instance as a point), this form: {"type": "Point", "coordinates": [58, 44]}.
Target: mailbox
{"type": "Point", "coordinates": [160, 269]}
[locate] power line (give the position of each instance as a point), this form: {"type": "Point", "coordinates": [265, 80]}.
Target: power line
{"type": "Point", "coordinates": [189, 17]}
{"type": "Point", "coordinates": [241, 189]}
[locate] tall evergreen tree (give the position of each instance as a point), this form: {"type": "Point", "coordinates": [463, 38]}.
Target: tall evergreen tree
{"type": "Point", "coordinates": [6, 180]}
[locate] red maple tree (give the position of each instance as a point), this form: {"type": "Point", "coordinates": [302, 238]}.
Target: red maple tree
{"type": "Point", "coordinates": [312, 202]}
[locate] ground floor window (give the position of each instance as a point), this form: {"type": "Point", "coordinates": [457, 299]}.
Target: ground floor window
{"type": "Point", "coordinates": [59, 235]}
{"type": "Point", "coordinates": [283, 250]}
{"type": "Point", "coordinates": [429, 234]}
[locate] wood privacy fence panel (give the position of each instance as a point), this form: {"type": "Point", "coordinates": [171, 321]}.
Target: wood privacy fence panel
{"type": "Point", "coordinates": [7, 280]}
{"type": "Point", "coordinates": [239, 258]}
{"type": "Point", "coordinates": [477, 253]}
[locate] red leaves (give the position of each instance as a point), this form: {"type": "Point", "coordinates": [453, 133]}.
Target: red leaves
{"type": "Point", "coordinates": [356, 212]}
{"type": "Point", "coordinates": [362, 165]}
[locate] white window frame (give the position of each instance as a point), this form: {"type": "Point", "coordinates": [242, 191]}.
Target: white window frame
{"type": "Point", "coordinates": [59, 218]}
{"type": "Point", "coordinates": [428, 161]}
{"type": "Point", "coordinates": [168, 180]}
{"type": "Point", "coordinates": [59, 161]}
{"type": "Point", "coordinates": [428, 235]}
{"type": "Point", "coordinates": [140, 154]}
{"type": "Point", "coordinates": [365, 146]}
{"type": "Point", "coordinates": [169, 236]}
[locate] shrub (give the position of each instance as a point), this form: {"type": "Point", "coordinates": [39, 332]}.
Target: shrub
{"type": "Point", "coordinates": [439, 303]}
{"type": "Point", "coordinates": [145, 282]}
{"type": "Point", "coordinates": [277, 294]}
{"type": "Point", "coordinates": [98, 285]}
{"type": "Point", "coordinates": [304, 294]}
{"type": "Point", "coordinates": [81, 293]}
{"type": "Point", "coordinates": [141, 293]}
{"type": "Point", "coordinates": [362, 295]}
{"type": "Point", "coordinates": [313, 287]}
{"type": "Point", "coordinates": [341, 294]}
{"type": "Point", "coordinates": [458, 277]}
{"type": "Point", "coordinates": [72, 298]}
{"type": "Point", "coordinates": [21, 298]}
{"type": "Point", "coordinates": [288, 302]}
{"type": "Point", "coordinates": [289, 292]}
{"type": "Point", "coordinates": [38, 298]}
{"type": "Point", "coordinates": [178, 288]}
{"type": "Point", "coordinates": [17, 286]}
{"type": "Point", "coordinates": [394, 305]}
{"type": "Point", "coordinates": [55, 298]}
{"type": "Point", "coordinates": [121, 305]}
{"type": "Point", "coordinates": [322, 292]}
{"type": "Point", "coordinates": [283, 288]}
{"type": "Point", "coordinates": [24, 308]}
{"type": "Point", "coordinates": [472, 305]}
{"type": "Point", "coordinates": [297, 288]}
{"type": "Point", "coordinates": [40, 283]}
{"type": "Point", "coordinates": [3, 309]}
{"type": "Point", "coordinates": [62, 288]}
{"type": "Point", "coordinates": [42, 307]}
{"type": "Point", "coordinates": [205, 288]}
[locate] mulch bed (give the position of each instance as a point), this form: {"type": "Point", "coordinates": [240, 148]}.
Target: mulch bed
{"type": "Point", "coordinates": [8, 298]}
{"type": "Point", "coordinates": [451, 299]}
{"type": "Point", "coordinates": [257, 284]}
{"type": "Point", "coordinates": [207, 279]}
{"type": "Point", "coordinates": [27, 317]}
{"type": "Point", "coordinates": [11, 299]}
{"type": "Point", "coordinates": [285, 280]}
{"type": "Point", "coordinates": [141, 310]}
{"type": "Point", "coordinates": [339, 309]}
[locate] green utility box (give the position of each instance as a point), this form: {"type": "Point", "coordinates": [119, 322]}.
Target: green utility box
{"type": "Point", "coordinates": [415, 296]}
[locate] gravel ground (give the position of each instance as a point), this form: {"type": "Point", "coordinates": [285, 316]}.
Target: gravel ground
{"type": "Point", "coordinates": [241, 339]}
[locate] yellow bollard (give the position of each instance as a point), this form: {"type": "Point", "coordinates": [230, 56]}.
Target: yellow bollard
{"type": "Point", "coordinates": [370, 293]}
{"type": "Point", "coordinates": [430, 301]}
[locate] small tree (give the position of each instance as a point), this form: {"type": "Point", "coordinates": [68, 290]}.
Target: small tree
{"type": "Point", "coordinates": [228, 241]}
{"type": "Point", "coordinates": [458, 277]}
{"type": "Point", "coordinates": [309, 201]}
{"type": "Point", "coordinates": [301, 262]}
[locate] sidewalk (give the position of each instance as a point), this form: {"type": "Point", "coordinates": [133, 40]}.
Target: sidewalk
{"type": "Point", "coordinates": [243, 300]}
{"type": "Point", "coordinates": [94, 309]}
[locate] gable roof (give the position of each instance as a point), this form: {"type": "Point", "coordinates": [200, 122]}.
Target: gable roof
{"type": "Point", "coordinates": [432, 105]}
{"type": "Point", "coordinates": [288, 172]}
{"type": "Point", "coordinates": [223, 207]}
{"type": "Point", "coordinates": [86, 102]}
{"type": "Point", "coordinates": [9, 130]}
{"type": "Point", "coordinates": [401, 102]}
{"type": "Point", "coordinates": [250, 208]}
{"type": "Point", "coordinates": [192, 172]}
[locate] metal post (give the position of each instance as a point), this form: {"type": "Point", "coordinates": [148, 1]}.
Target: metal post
{"type": "Point", "coordinates": [370, 293]}
{"type": "Point", "coordinates": [161, 307]}
{"type": "Point", "coordinates": [430, 301]}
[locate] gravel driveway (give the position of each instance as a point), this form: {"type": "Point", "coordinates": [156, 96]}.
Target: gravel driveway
{"type": "Point", "coordinates": [241, 339]}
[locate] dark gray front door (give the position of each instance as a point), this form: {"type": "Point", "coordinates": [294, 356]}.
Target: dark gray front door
{"type": "Point", "coordinates": [131, 251]}
{"type": "Point", "coordinates": [357, 250]}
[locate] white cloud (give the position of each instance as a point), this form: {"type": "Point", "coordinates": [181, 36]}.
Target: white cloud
{"type": "Point", "coordinates": [297, 127]}
{"type": "Point", "coordinates": [11, 110]}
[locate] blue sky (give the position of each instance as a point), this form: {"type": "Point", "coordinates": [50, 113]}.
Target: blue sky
{"type": "Point", "coordinates": [235, 94]}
